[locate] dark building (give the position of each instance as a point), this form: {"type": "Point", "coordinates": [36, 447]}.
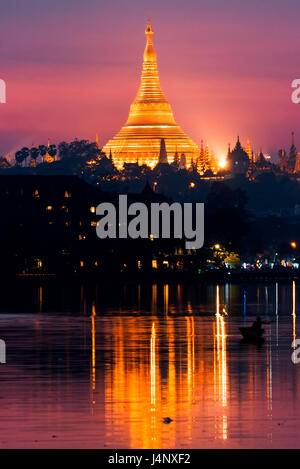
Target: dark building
{"type": "Point", "coordinates": [238, 160]}
{"type": "Point", "coordinates": [49, 227]}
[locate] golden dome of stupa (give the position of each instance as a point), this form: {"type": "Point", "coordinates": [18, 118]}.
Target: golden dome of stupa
{"type": "Point", "coordinates": [150, 119]}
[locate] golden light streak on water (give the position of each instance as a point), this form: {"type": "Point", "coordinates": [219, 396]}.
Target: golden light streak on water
{"type": "Point", "coordinates": [153, 382]}
{"type": "Point", "coordinates": [154, 299]}
{"type": "Point", "coordinates": [172, 388]}
{"type": "Point", "coordinates": [294, 315]}
{"type": "Point", "coordinates": [93, 371]}
{"type": "Point", "coordinates": [166, 298]}
{"type": "Point", "coordinates": [190, 334]}
{"type": "Point", "coordinates": [153, 367]}
{"type": "Point", "coordinates": [40, 298]}
{"type": "Point", "coordinates": [220, 361]}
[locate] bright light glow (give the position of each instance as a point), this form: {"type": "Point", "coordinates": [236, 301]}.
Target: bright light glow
{"type": "Point", "coordinates": [294, 244]}
{"type": "Point", "coordinates": [222, 163]}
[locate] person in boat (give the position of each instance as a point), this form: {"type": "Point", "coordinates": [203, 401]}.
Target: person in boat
{"type": "Point", "coordinates": [257, 324]}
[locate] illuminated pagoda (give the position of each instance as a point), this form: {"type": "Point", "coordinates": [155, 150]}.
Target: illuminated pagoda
{"type": "Point", "coordinates": [248, 150]}
{"type": "Point", "coordinates": [297, 165]}
{"type": "Point", "coordinates": [292, 155]}
{"type": "Point", "coordinates": [150, 120]}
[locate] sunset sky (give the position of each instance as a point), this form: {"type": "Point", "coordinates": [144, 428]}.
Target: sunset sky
{"type": "Point", "coordinates": [72, 68]}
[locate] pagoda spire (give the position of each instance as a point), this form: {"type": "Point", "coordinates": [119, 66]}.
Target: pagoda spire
{"type": "Point", "coordinates": [150, 91]}
{"type": "Point", "coordinates": [163, 157]}
{"type": "Point", "coordinates": [97, 140]}
{"type": "Point", "coordinates": [176, 159]}
{"type": "Point", "coordinates": [248, 148]}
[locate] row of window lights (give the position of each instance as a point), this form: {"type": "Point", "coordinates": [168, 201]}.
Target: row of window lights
{"type": "Point", "coordinates": [96, 264]}
{"type": "Point", "coordinates": [68, 223]}
{"type": "Point", "coordinates": [82, 264]}
{"type": "Point", "coordinates": [139, 264]}
{"type": "Point", "coordinates": [49, 208]}
{"type": "Point", "coordinates": [67, 194]}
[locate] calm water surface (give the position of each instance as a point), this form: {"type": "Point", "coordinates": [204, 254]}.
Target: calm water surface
{"type": "Point", "coordinates": [103, 368]}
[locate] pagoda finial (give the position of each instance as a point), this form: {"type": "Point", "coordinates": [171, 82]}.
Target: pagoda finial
{"type": "Point", "coordinates": [149, 27]}
{"type": "Point", "coordinates": [293, 138]}
{"type": "Point", "coordinates": [149, 54]}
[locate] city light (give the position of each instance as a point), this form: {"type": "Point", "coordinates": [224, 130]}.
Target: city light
{"type": "Point", "coordinates": [294, 244]}
{"type": "Point", "coordinates": [222, 163]}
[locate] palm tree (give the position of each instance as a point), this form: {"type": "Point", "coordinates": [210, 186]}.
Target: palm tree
{"type": "Point", "coordinates": [42, 151]}
{"type": "Point", "coordinates": [52, 151]}
{"type": "Point", "coordinates": [26, 153]}
{"type": "Point", "coordinates": [19, 157]}
{"type": "Point", "coordinates": [34, 153]}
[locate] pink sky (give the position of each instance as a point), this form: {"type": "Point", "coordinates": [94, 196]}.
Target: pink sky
{"type": "Point", "coordinates": [226, 67]}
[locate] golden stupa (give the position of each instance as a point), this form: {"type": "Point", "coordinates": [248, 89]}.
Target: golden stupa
{"type": "Point", "coordinates": [150, 119]}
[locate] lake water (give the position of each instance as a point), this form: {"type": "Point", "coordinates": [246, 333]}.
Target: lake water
{"type": "Point", "coordinates": [103, 367]}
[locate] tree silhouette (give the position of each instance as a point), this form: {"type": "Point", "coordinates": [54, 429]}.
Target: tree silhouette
{"type": "Point", "coordinates": [25, 151]}
{"type": "Point", "coordinates": [52, 151]}
{"type": "Point", "coordinates": [19, 157]}
{"type": "Point", "coordinates": [43, 151]}
{"type": "Point", "coordinates": [34, 153]}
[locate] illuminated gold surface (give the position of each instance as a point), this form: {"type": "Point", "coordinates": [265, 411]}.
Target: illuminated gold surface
{"type": "Point", "coordinates": [150, 119]}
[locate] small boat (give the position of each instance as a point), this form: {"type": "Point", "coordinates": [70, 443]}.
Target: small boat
{"type": "Point", "coordinates": [252, 333]}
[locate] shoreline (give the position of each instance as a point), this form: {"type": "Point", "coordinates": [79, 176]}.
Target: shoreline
{"type": "Point", "coordinates": [160, 277]}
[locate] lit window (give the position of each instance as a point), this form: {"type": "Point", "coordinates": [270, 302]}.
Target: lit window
{"type": "Point", "coordinates": [67, 195]}
{"type": "Point", "coordinates": [36, 194]}
{"type": "Point", "coordinates": [49, 208]}
{"type": "Point", "coordinates": [81, 263]}
{"type": "Point", "coordinates": [93, 209]}
{"type": "Point", "coordinates": [154, 264]}
{"type": "Point", "coordinates": [93, 223]}
{"type": "Point", "coordinates": [39, 264]}
{"type": "Point", "coordinates": [64, 208]}
{"type": "Point", "coordinates": [81, 237]}
{"type": "Point", "coordinates": [139, 264]}
{"type": "Point", "coordinates": [67, 223]}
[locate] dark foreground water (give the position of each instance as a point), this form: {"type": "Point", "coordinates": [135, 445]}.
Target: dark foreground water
{"type": "Point", "coordinates": [104, 367]}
